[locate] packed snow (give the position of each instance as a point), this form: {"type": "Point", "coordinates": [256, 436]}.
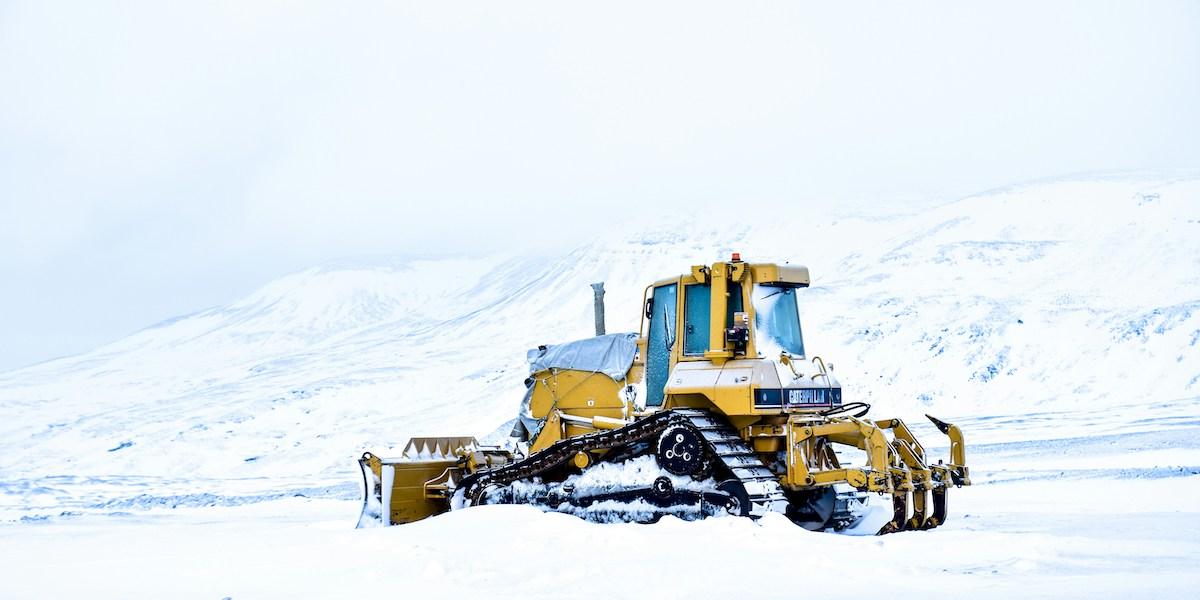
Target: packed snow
{"type": "Point", "coordinates": [604, 478]}
{"type": "Point", "coordinates": [1058, 324]}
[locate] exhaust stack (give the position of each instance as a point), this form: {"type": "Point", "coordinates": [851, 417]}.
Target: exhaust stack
{"type": "Point", "coordinates": [598, 288]}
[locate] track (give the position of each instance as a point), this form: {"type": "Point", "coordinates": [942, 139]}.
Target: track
{"type": "Point", "coordinates": [752, 490]}
{"type": "Point", "coordinates": [724, 444]}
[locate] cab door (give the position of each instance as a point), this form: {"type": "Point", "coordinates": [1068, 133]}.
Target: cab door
{"type": "Point", "coordinates": [697, 304]}
{"type": "Point", "coordinates": [660, 340]}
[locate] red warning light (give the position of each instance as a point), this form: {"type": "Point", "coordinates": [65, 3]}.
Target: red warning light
{"type": "Point", "coordinates": [737, 257]}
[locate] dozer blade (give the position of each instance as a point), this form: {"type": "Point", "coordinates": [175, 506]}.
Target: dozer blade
{"type": "Point", "coordinates": [413, 486]}
{"type": "Point", "coordinates": [372, 509]}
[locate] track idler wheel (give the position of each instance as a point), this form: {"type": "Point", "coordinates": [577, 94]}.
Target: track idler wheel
{"type": "Point", "coordinates": [680, 450]}
{"type": "Point", "coordinates": [814, 510]}
{"type": "Point", "coordinates": [489, 494]}
{"type": "Point", "coordinates": [738, 504]}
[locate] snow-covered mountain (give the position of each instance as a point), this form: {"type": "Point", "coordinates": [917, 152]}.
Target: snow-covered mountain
{"type": "Point", "coordinates": [1060, 296]}
{"type": "Point", "coordinates": [1058, 323]}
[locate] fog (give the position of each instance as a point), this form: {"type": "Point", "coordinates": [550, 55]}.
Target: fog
{"type": "Point", "coordinates": [157, 159]}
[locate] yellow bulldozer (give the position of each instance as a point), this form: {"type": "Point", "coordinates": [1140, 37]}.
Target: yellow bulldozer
{"type": "Point", "coordinates": [711, 408]}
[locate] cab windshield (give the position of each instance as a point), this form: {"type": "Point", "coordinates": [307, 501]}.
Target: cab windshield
{"type": "Point", "coordinates": [776, 321]}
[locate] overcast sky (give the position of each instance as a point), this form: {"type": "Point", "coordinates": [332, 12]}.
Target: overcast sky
{"type": "Point", "coordinates": [158, 158]}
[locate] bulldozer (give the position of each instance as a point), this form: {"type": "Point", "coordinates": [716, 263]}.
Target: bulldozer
{"type": "Point", "coordinates": [712, 408]}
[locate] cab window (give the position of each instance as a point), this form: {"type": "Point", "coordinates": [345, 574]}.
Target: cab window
{"type": "Point", "coordinates": [660, 340]}
{"type": "Point", "coordinates": [697, 302]}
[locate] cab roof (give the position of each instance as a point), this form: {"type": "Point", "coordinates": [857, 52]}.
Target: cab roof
{"type": "Point", "coordinates": [764, 273]}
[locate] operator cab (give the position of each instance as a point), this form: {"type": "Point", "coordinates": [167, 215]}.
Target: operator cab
{"type": "Point", "coordinates": [729, 311]}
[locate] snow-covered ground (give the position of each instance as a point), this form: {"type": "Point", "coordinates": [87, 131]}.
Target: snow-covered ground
{"type": "Point", "coordinates": [1057, 323]}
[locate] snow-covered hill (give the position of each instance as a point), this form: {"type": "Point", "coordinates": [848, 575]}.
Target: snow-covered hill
{"type": "Point", "coordinates": [1059, 296]}
{"type": "Point", "coordinates": [1036, 312]}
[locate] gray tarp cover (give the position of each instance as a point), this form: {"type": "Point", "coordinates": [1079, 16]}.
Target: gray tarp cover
{"type": "Point", "coordinates": [610, 354]}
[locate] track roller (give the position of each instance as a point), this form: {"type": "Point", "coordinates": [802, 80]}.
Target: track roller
{"type": "Point", "coordinates": [738, 504]}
